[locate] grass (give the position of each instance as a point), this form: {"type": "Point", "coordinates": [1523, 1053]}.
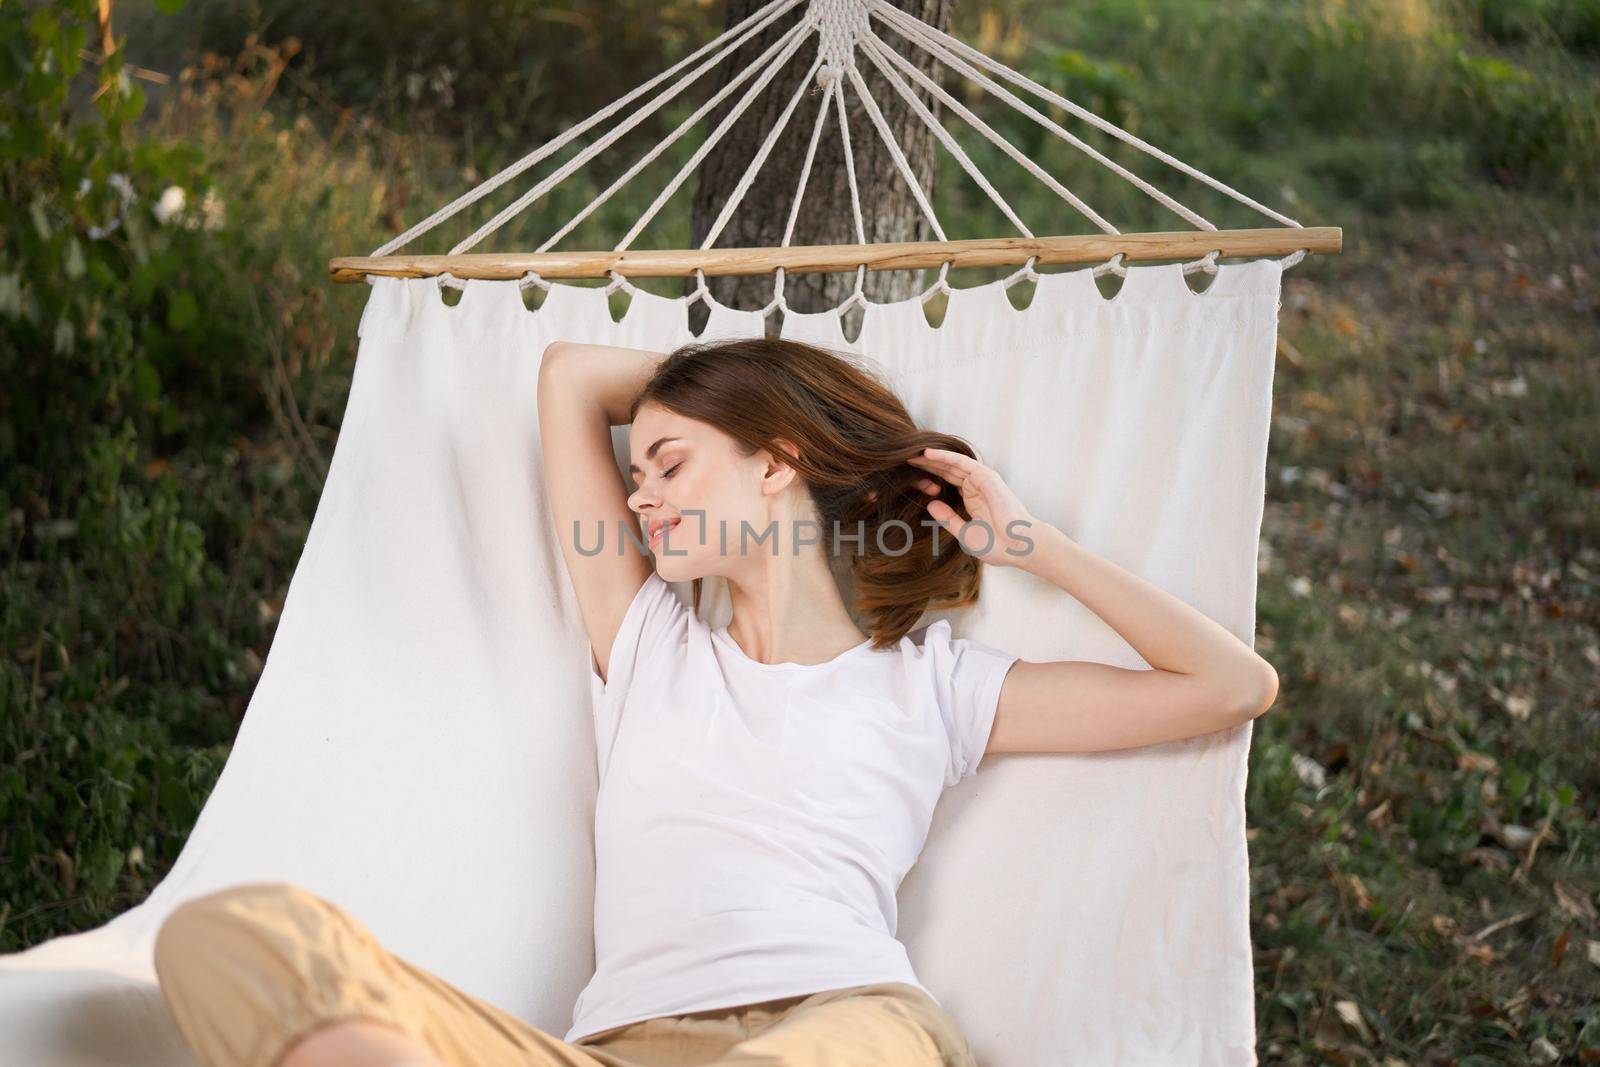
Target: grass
{"type": "Point", "coordinates": [1422, 800]}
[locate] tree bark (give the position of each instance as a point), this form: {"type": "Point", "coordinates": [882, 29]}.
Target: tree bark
{"type": "Point", "coordinates": [889, 211]}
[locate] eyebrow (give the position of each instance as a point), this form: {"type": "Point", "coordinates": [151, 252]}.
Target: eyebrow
{"type": "Point", "coordinates": [650, 453]}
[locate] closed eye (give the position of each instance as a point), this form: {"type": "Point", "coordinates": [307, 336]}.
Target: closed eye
{"type": "Point", "coordinates": [665, 474]}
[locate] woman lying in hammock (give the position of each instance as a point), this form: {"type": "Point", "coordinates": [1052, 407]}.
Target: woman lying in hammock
{"type": "Point", "coordinates": [764, 785]}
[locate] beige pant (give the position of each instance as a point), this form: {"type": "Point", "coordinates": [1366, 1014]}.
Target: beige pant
{"type": "Point", "coordinates": [248, 969]}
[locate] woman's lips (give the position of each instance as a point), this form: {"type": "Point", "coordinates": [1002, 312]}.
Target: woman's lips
{"type": "Point", "coordinates": [658, 529]}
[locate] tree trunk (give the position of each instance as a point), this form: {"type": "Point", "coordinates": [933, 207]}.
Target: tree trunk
{"type": "Point", "coordinates": [889, 211]}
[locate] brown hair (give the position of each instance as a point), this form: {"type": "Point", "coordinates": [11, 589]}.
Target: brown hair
{"type": "Point", "coordinates": [854, 437]}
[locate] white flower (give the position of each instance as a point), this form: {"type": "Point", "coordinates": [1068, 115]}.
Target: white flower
{"type": "Point", "coordinates": [170, 204]}
{"type": "Point", "coordinates": [1517, 386]}
{"type": "Point", "coordinates": [212, 207]}
{"type": "Point", "coordinates": [1308, 770]}
{"type": "Point", "coordinates": [125, 192]}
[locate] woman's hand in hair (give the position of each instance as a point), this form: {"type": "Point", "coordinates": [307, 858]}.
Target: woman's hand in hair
{"type": "Point", "coordinates": [998, 532]}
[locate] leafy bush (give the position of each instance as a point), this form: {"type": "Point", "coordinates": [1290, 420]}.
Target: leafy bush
{"type": "Point", "coordinates": [1372, 106]}
{"type": "Point", "coordinates": [117, 697]}
{"type": "Point", "coordinates": [1573, 23]}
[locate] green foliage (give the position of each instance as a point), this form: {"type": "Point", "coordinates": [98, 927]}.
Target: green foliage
{"type": "Point", "coordinates": [1370, 106]}
{"type": "Point", "coordinates": [1573, 23]}
{"type": "Point", "coordinates": [91, 285]}
{"type": "Point", "coordinates": [120, 628]}
{"type": "Point", "coordinates": [1527, 126]}
{"type": "Point", "coordinates": [480, 73]}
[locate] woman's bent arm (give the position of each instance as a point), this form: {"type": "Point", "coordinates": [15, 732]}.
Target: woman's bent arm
{"type": "Point", "coordinates": [611, 375]}
{"type": "Point", "coordinates": [585, 390]}
{"type": "Point", "coordinates": [1202, 678]}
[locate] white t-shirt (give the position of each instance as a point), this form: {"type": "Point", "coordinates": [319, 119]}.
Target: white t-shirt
{"type": "Point", "coordinates": [754, 820]}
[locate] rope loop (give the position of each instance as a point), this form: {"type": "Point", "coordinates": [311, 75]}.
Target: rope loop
{"type": "Point", "coordinates": [1114, 265]}
{"type": "Point", "coordinates": [1207, 263]}
{"type": "Point", "coordinates": [1024, 271]}
{"type": "Point", "coordinates": [533, 277]}
{"type": "Point", "coordinates": [700, 291]}
{"type": "Point", "coordinates": [940, 285]}
{"type": "Point", "coordinates": [446, 278]}
{"type": "Point", "coordinates": [1292, 258]}
{"type": "Point", "coordinates": [857, 295]}
{"type": "Point", "coordinates": [858, 292]}
{"type": "Point", "coordinates": [776, 302]}
{"type": "Point", "coordinates": [619, 282]}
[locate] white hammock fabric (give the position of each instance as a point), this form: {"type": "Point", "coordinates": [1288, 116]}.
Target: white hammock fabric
{"type": "Point", "coordinates": [417, 748]}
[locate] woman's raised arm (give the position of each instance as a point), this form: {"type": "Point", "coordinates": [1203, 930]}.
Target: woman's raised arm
{"type": "Point", "coordinates": [585, 390]}
{"type": "Point", "coordinates": [1201, 677]}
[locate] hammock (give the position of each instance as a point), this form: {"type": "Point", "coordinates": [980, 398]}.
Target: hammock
{"type": "Point", "coordinates": [416, 748]}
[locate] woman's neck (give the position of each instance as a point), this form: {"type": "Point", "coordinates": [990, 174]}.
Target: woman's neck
{"type": "Point", "coordinates": [788, 610]}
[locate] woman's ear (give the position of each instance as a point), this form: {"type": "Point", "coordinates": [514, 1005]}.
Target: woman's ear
{"type": "Point", "coordinates": [780, 465]}
{"type": "Point", "coordinates": [784, 452]}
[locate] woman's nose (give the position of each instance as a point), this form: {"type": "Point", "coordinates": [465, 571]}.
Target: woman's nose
{"type": "Point", "coordinates": [643, 503]}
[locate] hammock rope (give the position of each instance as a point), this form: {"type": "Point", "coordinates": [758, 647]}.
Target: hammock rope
{"type": "Point", "coordinates": [935, 41]}
{"type": "Point", "coordinates": [784, 46]}
{"type": "Point", "coordinates": [843, 30]}
{"type": "Point", "coordinates": [749, 27]}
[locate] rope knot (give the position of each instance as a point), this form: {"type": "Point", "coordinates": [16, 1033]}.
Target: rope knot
{"type": "Point", "coordinates": [840, 24]}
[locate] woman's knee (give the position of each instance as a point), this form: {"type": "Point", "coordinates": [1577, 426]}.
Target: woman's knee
{"type": "Point", "coordinates": [204, 927]}
{"type": "Point", "coordinates": [246, 968]}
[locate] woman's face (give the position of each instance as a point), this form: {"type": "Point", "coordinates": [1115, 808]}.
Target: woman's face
{"type": "Point", "coordinates": [690, 472]}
